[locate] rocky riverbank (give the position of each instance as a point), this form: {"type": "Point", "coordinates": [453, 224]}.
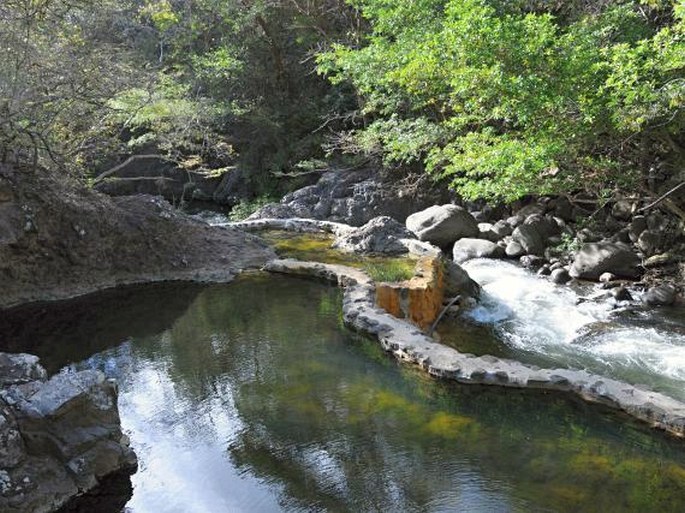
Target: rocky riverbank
{"type": "Point", "coordinates": [59, 437]}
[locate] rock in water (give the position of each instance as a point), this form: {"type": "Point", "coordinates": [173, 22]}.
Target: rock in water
{"type": "Point", "coordinates": [595, 259]}
{"type": "Point", "coordinates": [466, 249]}
{"type": "Point", "coordinates": [443, 224]}
{"type": "Point", "coordinates": [560, 276]}
{"type": "Point", "coordinates": [661, 295]}
{"type": "Point", "coordinates": [458, 282]}
{"type": "Point", "coordinates": [380, 235]}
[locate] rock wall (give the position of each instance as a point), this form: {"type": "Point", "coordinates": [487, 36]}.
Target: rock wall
{"type": "Point", "coordinates": [59, 437]}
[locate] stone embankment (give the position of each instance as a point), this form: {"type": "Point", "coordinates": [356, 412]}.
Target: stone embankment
{"type": "Point", "coordinates": [406, 342]}
{"type": "Point", "coordinates": [59, 437]}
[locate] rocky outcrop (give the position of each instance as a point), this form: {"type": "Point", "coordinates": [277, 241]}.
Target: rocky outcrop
{"type": "Point", "coordinates": [442, 225]}
{"type": "Point", "coordinates": [59, 239]}
{"type": "Point", "coordinates": [597, 258]}
{"type": "Point", "coordinates": [380, 235]}
{"type": "Point", "coordinates": [354, 198]}
{"type": "Point", "coordinates": [59, 438]}
{"type": "Point", "coordinates": [407, 343]}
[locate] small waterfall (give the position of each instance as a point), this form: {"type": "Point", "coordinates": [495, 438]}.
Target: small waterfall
{"type": "Point", "coordinates": [539, 321]}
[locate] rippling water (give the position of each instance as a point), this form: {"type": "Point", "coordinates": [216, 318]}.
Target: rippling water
{"type": "Point", "coordinates": [252, 397]}
{"type": "Point", "coordinates": [534, 320]}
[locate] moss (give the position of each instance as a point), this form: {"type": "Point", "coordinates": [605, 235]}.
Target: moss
{"type": "Point", "coordinates": [449, 425]}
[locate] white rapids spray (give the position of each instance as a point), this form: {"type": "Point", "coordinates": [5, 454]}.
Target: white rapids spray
{"type": "Point", "coordinates": [538, 319]}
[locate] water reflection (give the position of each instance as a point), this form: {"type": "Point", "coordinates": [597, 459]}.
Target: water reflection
{"type": "Point", "coordinates": [255, 398]}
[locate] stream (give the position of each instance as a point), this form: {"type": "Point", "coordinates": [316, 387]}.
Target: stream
{"type": "Point", "coordinates": [253, 396]}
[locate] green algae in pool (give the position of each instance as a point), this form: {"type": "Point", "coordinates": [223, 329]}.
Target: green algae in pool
{"type": "Point", "coordinates": [316, 247]}
{"type": "Point", "coordinates": [252, 396]}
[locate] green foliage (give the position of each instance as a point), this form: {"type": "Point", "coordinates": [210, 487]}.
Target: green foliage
{"type": "Point", "coordinates": [512, 98]}
{"type": "Point", "coordinates": [246, 208]}
{"type": "Point", "coordinates": [391, 270]}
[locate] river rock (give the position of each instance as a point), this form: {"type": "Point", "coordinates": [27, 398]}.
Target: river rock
{"type": "Point", "coordinates": [597, 258]}
{"type": "Point", "coordinates": [458, 282]}
{"type": "Point", "coordinates": [487, 232]}
{"type": "Point", "coordinates": [622, 210]}
{"type": "Point", "coordinates": [442, 224]}
{"type": "Point", "coordinates": [502, 228]}
{"type": "Point", "coordinates": [466, 249]}
{"type": "Point", "coordinates": [532, 261]}
{"type": "Point", "coordinates": [661, 295]}
{"type": "Point", "coordinates": [637, 225]}
{"type": "Point", "coordinates": [621, 294]}
{"type": "Point", "coordinates": [514, 249]}
{"type": "Point", "coordinates": [380, 235]}
{"type": "Point", "coordinates": [607, 277]}
{"type": "Point", "coordinates": [530, 239]}
{"type": "Point", "coordinates": [560, 276]}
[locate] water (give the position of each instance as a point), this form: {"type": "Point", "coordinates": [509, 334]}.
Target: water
{"type": "Point", "coordinates": [253, 397]}
{"type": "Point", "coordinates": [535, 321]}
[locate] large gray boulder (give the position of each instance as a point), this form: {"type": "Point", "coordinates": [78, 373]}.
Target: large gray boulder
{"type": "Point", "coordinates": [59, 438]}
{"type": "Point", "coordinates": [459, 283]}
{"type": "Point", "coordinates": [661, 295]}
{"type": "Point", "coordinates": [380, 235]}
{"type": "Point", "coordinates": [466, 249]}
{"type": "Point", "coordinates": [597, 258]}
{"type": "Point", "coordinates": [443, 224]}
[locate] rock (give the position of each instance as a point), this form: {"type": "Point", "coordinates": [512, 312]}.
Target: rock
{"type": "Point", "coordinates": [661, 260]}
{"type": "Point", "coordinates": [458, 282]}
{"type": "Point", "coordinates": [661, 295]}
{"type": "Point", "coordinates": [649, 242]}
{"type": "Point", "coordinates": [529, 238]}
{"type": "Point", "coordinates": [532, 209]}
{"type": "Point", "coordinates": [532, 261]}
{"type": "Point", "coordinates": [280, 211]}
{"type": "Point", "coordinates": [587, 235]}
{"type": "Point", "coordinates": [514, 221]}
{"type": "Point", "coordinates": [442, 224]}
{"type": "Point", "coordinates": [607, 277]}
{"type": "Point", "coordinates": [466, 249]}
{"type": "Point", "coordinates": [555, 265]}
{"type": "Point", "coordinates": [20, 368]}
{"type": "Point", "coordinates": [58, 438]}
{"type": "Point", "coordinates": [502, 228]}
{"type": "Point", "coordinates": [562, 208]}
{"type": "Point", "coordinates": [380, 235]}
{"type": "Point", "coordinates": [597, 258]}
{"type": "Point", "coordinates": [544, 270]}
{"type": "Point", "coordinates": [637, 225]}
{"type": "Point", "coordinates": [514, 250]}
{"type": "Point", "coordinates": [487, 232]}
{"type": "Point", "coordinates": [621, 294]}
{"type": "Point", "coordinates": [560, 276]}
{"type": "Point", "coordinates": [622, 210]}
{"type": "Point", "coordinates": [233, 187]}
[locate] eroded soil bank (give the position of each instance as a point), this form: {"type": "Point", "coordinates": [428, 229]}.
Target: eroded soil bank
{"type": "Point", "coordinates": [59, 239]}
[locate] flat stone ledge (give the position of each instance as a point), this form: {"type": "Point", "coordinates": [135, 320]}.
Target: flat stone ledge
{"type": "Point", "coordinates": [407, 343]}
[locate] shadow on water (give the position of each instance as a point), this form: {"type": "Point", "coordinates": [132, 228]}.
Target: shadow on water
{"type": "Point", "coordinates": [254, 397]}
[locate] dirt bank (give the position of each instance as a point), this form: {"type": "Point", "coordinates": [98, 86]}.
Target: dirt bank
{"type": "Point", "coordinates": [60, 239]}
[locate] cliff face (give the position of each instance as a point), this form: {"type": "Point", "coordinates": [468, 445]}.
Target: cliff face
{"type": "Point", "coordinates": [58, 438]}
{"type": "Point", "coordinates": [60, 239]}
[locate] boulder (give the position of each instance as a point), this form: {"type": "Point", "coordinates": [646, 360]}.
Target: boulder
{"type": "Point", "coordinates": [502, 228]}
{"type": "Point", "coordinates": [442, 224]}
{"type": "Point", "coordinates": [380, 235]}
{"type": "Point", "coordinates": [487, 232]}
{"type": "Point", "coordinates": [661, 295]}
{"type": "Point", "coordinates": [466, 249]}
{"type": "Point", "coordinates": [560, 276]}
{"type": "Point", "coordinates": [280, 211]}
{"type": "Point", "coordinates": [530, 238]}
{"type": "Point", "coordinates": [597, 258]}
{"type": "Point", "coordinates": [514, 250]}
{"type": "Point", "coordinates": [637, 225]}
{"type": "Point", "coordinates": [458, 282]}
{"type": "Point", "coordinates": [649, 242]}
{"type": "Point", "coordinates": [622, 210]}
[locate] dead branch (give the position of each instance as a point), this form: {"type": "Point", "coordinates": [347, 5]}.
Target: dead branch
{"type": "Point", "coordinates": [125, 163]}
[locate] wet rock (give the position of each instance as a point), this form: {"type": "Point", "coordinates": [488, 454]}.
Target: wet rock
{"type": "Point", "coordinates": [621, 294]}
{"type": "Point", "coordinates": [661, 295]}
{"type": "Point", "coordinates": [555, 265]}
{"type": "Point", "coordinates": [607, 277]}
{"type": "Point", "coordinates": [595, 259]}
{"type": "Point", "coordinates": [532, 261]}
{"type": "Point", "coordinates": [514, 250]}
{"type": "Point", "coordinates": [560, 276]}
{"type": "Point", "coordinates": [442, 224]}
{"type": "Point", "coordinates": [466, 249]}
{"type": "Point", "coordinates": [380, 235]}
{"type": "Point", "coordinates": [544, 270]}
{"type": "Point", "coordinates": [18, 368]}
{"type": "Point", "coordinates": [458, 282]}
